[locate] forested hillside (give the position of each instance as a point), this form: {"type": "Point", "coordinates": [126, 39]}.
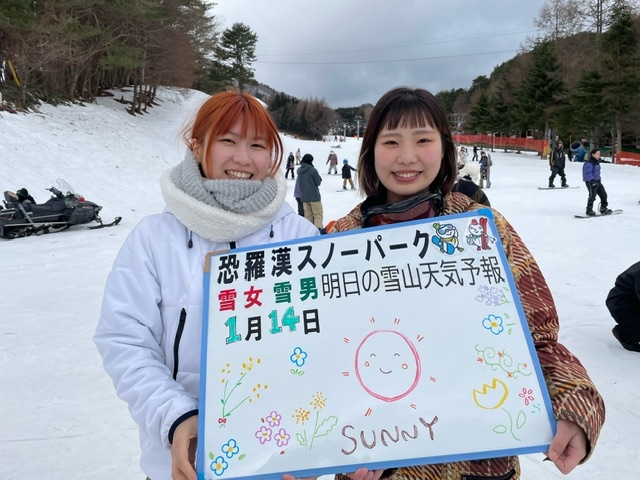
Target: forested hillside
{"type": "Point", "coordinates": [578, 78]}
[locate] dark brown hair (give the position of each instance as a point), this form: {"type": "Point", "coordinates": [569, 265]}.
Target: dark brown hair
{"type": "Point", "coordinates": [413, 108]}
{"type": "Point", "coordinates": [219, 112]}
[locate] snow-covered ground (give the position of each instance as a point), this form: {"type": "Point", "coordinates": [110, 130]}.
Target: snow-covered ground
{"type": "Point", "coordinates": [60, 418]}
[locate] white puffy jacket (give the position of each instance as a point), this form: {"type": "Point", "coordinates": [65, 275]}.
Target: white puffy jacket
{"type": "Point", "coordinates": [151, 323]}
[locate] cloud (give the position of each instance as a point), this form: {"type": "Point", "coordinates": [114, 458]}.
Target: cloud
{"type": "Point", "coordinates": [351, 52]}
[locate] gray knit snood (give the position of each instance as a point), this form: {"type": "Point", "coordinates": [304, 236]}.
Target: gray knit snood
{"type": "Point", "coordinates": [221, 210]}
{"type": "Point", "coordinates": [238, 196]}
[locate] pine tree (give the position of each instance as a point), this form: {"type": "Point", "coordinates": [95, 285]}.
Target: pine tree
{"type": "Point", "coordinates": [587, 103]}
{"type": "Point", "coordinates": [619, 62]}
{"type": "Point", "coordinates": [236, 52]}
{"type": "Point", "coordinates": [502, 106]}
{"type": "Point", "coordinates": [218, 78]}
{"type": "Point", "coordinates": [190, 22]}
{"type": "Point", "coordinates": [481, 120]}
{"type": "Point", "coordinates": [541, 93]}
{"type": "Point", "coordinates": [447, 99]}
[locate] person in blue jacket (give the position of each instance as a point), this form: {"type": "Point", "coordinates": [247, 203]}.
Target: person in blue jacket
{"type": "Point", "coordinates": [593, 181]}
{"type": "Point", "coordinates": [228, 192]}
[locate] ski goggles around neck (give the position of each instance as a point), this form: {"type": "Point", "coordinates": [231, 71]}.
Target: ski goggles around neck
{"type": "Point", "coordinates": [424, 205]}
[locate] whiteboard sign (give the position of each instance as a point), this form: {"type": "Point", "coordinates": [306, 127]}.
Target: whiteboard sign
{"type": "Point", "coordinates": [383, 347]}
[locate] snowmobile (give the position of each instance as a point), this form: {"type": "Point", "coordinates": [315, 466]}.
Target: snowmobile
{"type": "Point", "coordinates": [24, 218]}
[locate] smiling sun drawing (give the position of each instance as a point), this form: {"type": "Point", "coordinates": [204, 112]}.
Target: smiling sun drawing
{"type": "Point", "coordinates": [387, 365]}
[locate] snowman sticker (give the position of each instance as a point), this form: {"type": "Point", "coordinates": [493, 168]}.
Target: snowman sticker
{"type": "Point", "coordinates": [478, 236]}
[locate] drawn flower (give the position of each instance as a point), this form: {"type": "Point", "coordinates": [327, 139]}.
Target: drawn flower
{"type": "Point", "coordinates": [282, 437]}
{"type": "Point", "coordinates": [501, 360]}
{"type": "Point", "coordinates": [298, 356]}
{"type": "Point", "coordinates": [318, 401]}
{"type": "Point", "coordinates": [318, 426]}
{"type": "Point", "coordinates": [231, 402]}
{"type": "Point", "coordinates": [527, 395]}
{"type": "Point", "coordinates": [491, 396]}
{"type": "Point", "coordinates": [273, 419]}
{"type": "Point", "coordinates": [494, 324]}
{"type": "Point", "coordinates": [491, 296]}
{"type": "Point", "coordinates": [230, 448]}
{"type": "Point", "coordinates": [301, 415]}
{"type": "Point", "coordinates": [264, 434]}
{"type": "Point", "coordinates": [219, 465]}
{"type": "Point", "coordinates": [248, 365]}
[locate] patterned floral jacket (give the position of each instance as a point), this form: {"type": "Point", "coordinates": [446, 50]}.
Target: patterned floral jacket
{"type": "Point", "coordinates": [573, 395]}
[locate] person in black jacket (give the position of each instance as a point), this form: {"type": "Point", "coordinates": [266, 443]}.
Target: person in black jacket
{"type": "Point", "coordinates": [623, 303]}
{"type": "Point", "coordinates": [346, 175]}
{"type": "Point", "coordinates": [556, 162]}
{"type": "Point", "coordinates": [470, 189]}
{"type": "Point", "coordinates": [290, 166]}
{"type": "Point", "coordinates": [466, 183]}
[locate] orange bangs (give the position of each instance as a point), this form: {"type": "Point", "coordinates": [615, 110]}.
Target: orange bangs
{"type": "Point", "coordinates": [220, 112]}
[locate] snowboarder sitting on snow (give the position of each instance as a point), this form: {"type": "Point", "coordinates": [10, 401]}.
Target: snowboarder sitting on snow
{"type": "Point", "coordinates": [623, 303]}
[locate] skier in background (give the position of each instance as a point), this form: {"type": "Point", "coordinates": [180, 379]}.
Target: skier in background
{"type": "Point", "coordinates": [332, 161]}
{"type": "Point", "coordinates": [346, 175]}
{"type": "Point", "coordinates": [485, 169]}
{"type": "Point", "coordinates": [593, 181]}
{"type": "Point", "coordinates": [290, 167]}
{"type": "Point", "coordinates": [556, 162]}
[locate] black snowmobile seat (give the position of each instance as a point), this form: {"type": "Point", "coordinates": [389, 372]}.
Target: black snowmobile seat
{"type": "Point", "coordinates": [52, 206]}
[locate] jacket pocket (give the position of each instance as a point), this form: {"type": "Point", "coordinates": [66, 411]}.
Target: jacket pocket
{"type": "Point", "coordinates": [506, 476]}
{"type": "Point", "coordinates": [176, 342]}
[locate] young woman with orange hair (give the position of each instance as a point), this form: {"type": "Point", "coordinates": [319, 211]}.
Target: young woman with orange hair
{"type": "Point", "coordinates": [228, 192]}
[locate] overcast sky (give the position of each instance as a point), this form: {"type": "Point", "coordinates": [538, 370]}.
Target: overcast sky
{"type": "Point", "coordinates": [350, 52]}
